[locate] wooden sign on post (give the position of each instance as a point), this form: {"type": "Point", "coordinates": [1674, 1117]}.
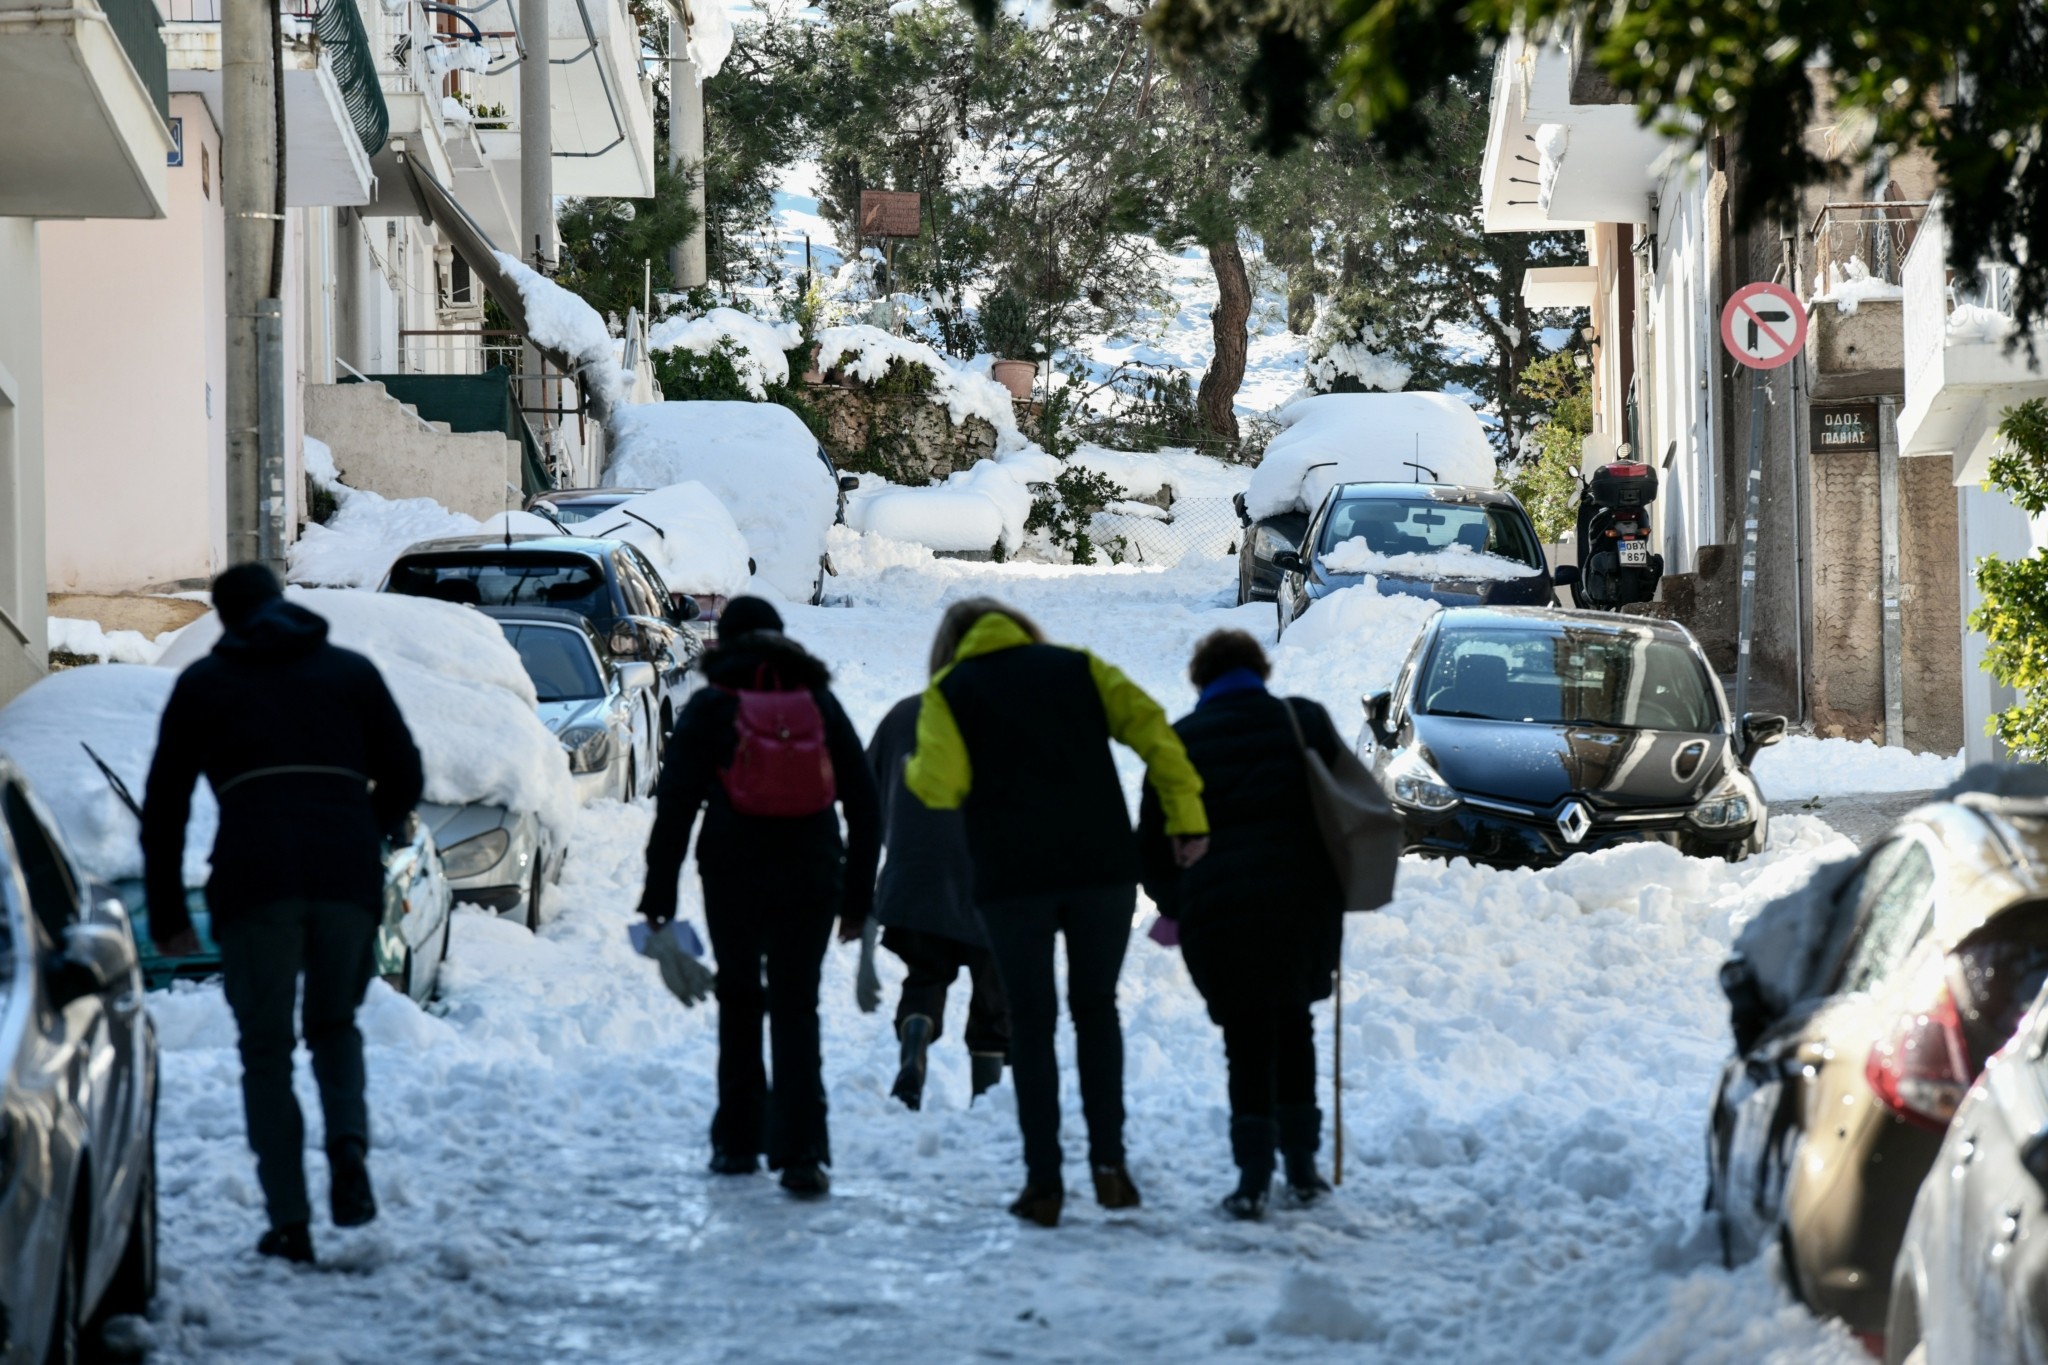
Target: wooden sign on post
{"type": "Point", "coordinates": [890, 213]}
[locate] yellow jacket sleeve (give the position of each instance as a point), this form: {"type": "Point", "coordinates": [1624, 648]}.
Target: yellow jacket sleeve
{"type": "Point", "coordinates": [939, 772]}
{"type": "Point", "coordinates": [1138, 721]}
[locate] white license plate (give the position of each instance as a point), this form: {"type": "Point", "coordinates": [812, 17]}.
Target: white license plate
{"type": "Point", "coordinates": [1635, 553]}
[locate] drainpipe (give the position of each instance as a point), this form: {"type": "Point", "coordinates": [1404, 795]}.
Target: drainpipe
{"type": "Point", "coordinates": [1888, 522]}
{"type": "Point", "coordinates": [687, 264]}
{"type": "Point", "coordinates": [248, 198]}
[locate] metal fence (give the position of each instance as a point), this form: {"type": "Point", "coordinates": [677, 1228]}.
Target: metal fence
{"type": "Point", "coordinates": [1877, 233]}
{"type": "Point", "coordinates": [347, 43]}
{"type": "Point", "coordinates": [1192, 528]}
{"type": "Point", "coordinates": [135, 26]}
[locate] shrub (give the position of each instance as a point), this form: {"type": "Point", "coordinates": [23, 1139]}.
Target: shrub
{"type": "Point", "coordinates": [2014, 613]}
{"type": "Point", "coordinates": [1006, 327]}
{"type": "Point", "coordinates": [1065, 510]}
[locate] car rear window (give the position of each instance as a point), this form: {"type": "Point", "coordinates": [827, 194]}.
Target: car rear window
{"type": "Point", "coordinates": [1624, 679]}
{"type": "Point", "coordinates": [558, 660]}
{"type": "Point", "coordinates": [569, 582]}
{"type": "Point", "coordinates": [574, 510]}
{"type": "Point", "coordinates": [1420, 526]}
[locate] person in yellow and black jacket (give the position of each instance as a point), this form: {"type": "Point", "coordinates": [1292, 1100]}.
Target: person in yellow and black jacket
{"type": "Point", "coordinates": [1015, 732]}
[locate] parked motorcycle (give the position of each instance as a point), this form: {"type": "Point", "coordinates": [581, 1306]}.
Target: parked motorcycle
{"type": "Point", "coordinates": [1616, 564]}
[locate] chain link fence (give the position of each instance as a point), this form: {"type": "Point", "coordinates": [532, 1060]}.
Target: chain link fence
{"type": "Point", "coordinates": [1198, 528]}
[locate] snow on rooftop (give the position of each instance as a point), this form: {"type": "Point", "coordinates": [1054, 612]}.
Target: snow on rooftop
{"type": "Point", "coordinates": [1338, 438]}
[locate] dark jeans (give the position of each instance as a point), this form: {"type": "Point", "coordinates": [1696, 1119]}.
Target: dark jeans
{"type": "Point", "coordinates": [1097, 923]}
{"type": "Point", "coordinates": [1272, 1054]}
{"type": "Point", "coordinates": [934, 961]}
{"type": "Point", "coordinates": [263, 951]}
{"type": "Point", "coordinates": [755, 925]}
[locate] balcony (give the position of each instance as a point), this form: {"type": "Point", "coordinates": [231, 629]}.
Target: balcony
{"type": "Point", "coordinates": [600, 105]}
{"type": "Point", "coordinates": [335, 116]}
{"type": "Point", "coordinates": [1857, 254]}
{"type": "Point", "coordinates": [1961, 366]}
{"type": "Point", "coordinates": [84, 100]}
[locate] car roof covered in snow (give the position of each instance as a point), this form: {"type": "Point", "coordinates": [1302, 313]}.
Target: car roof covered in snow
{"type": "Point", "coordinates": [1557, 620]}
{"type": "Point", "coordinates": [1334, 438]}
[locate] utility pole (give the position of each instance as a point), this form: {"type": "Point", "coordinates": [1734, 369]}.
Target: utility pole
{"type": "Point", "coordinates": [686, 142]}
{"type": "Point", "coordinates": [249, 197]}
{"type": "Point", "coordinates": [536, 140]}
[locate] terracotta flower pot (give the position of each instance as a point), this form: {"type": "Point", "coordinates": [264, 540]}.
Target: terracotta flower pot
{"type": "Point", "coordinates": [1015, 375]}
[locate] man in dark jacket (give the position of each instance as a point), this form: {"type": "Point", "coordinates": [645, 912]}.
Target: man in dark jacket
{"type": "Point", "coordinates": [313, 766]}
{"type": "Point", "coordinates": [925, 901]}
{"type": "Point", "coordinates": [1015, 732]}
{"type": "Point", "coordinates": [771, 887]}
{"type": "Point", "coordinates": [1261, 917]}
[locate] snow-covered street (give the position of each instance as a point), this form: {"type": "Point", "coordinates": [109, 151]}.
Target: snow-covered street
{"type": "Point", "coordinates": [1528, 1059]}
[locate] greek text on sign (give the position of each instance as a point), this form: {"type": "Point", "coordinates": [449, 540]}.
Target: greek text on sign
{"type": "Point", "coordinates": [1850, 429]}
{"type": "Point", "coordinates": [1763, 326]}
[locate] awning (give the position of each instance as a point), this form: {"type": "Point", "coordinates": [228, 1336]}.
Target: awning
{"type": "Point", "coordinates": [469, 241]}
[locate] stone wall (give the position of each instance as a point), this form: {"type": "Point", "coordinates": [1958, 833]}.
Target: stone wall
{"type": "Point", "coordinates": [383, 445]}
{"type": "Point", "coordinates": [906, 438]}
{"type": "Point", "coordinates": [1846, 667]}
{"type": "Point", "coordinates": [1930, 591]}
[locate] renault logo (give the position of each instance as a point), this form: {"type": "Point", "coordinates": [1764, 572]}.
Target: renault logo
{"type": "Point", "coordinates": [1574, 822]}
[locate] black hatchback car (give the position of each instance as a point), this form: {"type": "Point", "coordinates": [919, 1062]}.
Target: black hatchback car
{"type": "Point", "coordinates": [1518, 736]}
{"type": "Point", "coordinates": [1455, 545]}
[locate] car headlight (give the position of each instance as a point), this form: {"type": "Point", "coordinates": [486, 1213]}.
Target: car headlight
{"type": "Point", "coordinates": [474, 856]}
{"type": "Point", "coordinates": [1732, 805]}
{"type": "Point", "coordinates": [589, 746]}
{"type": "Point", "coordinates": [1418, 786]}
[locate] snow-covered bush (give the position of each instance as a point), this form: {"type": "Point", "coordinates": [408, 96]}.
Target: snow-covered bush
{"type": "Point", "coordinates": [1347, 356]}
{"type": "Point", "coordinates": [893, 364]}
{"type": "Point", "coordinates": [1065, 512]}
{"type": "Point", "coordinates": [752, 351]}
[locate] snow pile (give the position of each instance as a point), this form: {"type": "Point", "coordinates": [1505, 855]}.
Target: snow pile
{"type": "Point", "coordinates": [957, 515]}
{"type": "Point", "coordinates": [1453, 561]}
{"type": "Point", "coordinates": [1365, 437]}
{"type": "Point", "coordinates": [1315, 1305]}
{"type": "Point", "coordinates": [1803, 766]}
{"type": "Point", "coordinates": [692, 540]}
{"type": "Point", "coordinates": [759, 459]}
{"type": "Point", "coordinates": [1189, 473]}
{"type": "Point", "coordinates": [1850, 285]}
{"type": "Point", "coordinates": [756, 346]}
{"type": "Point", "coordinates": [864, 353]}
{"type": "Point", "coordinates": [1353, 642]}
{"type": "Point", "coordinates": [91, 640]}
{"type": "Point", "coordinates": [561, 321]}
{"type": "Point", "coordinates": [1973, 323]}
{"type": "Point", "coordinates": [367, 532]}
{"type": "Point", "coordinates": [114, 708]}
{"type": "Point", "coordinates": [710, 39]}
{"type": "Point", "coordinates": [466, 697]}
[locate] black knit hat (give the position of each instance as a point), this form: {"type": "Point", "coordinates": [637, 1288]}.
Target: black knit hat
{"type": "Point", "coordinates": [745, 614]}
{"type": "Point", "coordinates": [239, 593]}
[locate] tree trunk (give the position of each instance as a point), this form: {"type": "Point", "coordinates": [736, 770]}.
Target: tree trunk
{"type": "Point", "coordinates": [1217, 398]}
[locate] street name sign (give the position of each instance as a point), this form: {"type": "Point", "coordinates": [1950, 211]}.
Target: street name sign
{"type": "Point", "coordinates": [1763, 325]}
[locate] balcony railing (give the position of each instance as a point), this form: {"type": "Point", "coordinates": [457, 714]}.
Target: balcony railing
{"type": "Point", "coordinates": [1865, 239]}
{"type": "Point", "coordinates": [338, 26]}
{"type": "Point", "coordinates": [135, 25]}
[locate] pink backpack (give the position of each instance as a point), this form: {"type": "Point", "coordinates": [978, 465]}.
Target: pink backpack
{"type": "Point", "coordinates": [781, 765]}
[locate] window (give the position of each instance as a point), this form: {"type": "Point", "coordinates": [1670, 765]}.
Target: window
{"type": "Point", "coordinates": [1422, 525]}
{"type": "Point", "coordinates": [1895, 897]}
{"type": "Point", "coordinates": [569, 582]}
{"type": "Point", "coordinates": [52, 893]}
{"type": "Point", "coordinates": [1623, 679]}
{"type": "Point", "coordinates": [647, 580]}
{"type": "Point", "coordinates": [558, 660]}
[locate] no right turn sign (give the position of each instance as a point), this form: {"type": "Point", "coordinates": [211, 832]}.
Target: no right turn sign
{"type": "Point", "coordinates": [1763, 325]}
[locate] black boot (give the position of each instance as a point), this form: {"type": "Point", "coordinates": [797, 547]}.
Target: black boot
{"type": "Point", "coordinates": [349, 1195]}
{"type": "Point", "coordinates": [724, 1162]}
{"type": "Point", "coordinates": [1251, 1145]}
{"type": "Point", "coordinates": [987, 1071]}
{"type": "Point", "coordinates": [292, 1242]}
{"type": "Point", "coordinates": [806, 1180]}
{"type": "Point", "coordinates": [1301, 1133]}
{"type": "Point", "coordinates": [916, 1033]}
{"type": "Point", "coordinates": [1114, 1188]}
{"type": "Point", "coordinates": [1040, 1204]}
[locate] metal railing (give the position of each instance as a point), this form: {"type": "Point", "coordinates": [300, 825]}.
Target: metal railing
{"type": "Point", "coordinates": [1875, 233]}
{"type": "Point", "coordinates": [347, 44]}
{"type": "Point", "coordinates": [136, 26]}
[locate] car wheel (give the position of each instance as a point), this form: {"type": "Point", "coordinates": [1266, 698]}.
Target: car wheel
{"type": "Point", "coordinates": [64, 1334]}
{"type": "Point", "coordinates": [533, 899]}
{"type": "Point", "coordinates": [134, 1283]}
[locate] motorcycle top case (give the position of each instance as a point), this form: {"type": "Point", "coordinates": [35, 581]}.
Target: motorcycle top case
{"type": "Point", "coordinates": [1624, 484]}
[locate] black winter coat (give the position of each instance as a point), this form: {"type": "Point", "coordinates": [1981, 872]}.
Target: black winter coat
{"type": "Point", "coordinates": [310, 760]}
{"type": "Point", "coordinates": [1262, 912]}
{"type": "Point", "coordinates": [927, 880]}
{"type": "Point", "coordinates": [789, 854]}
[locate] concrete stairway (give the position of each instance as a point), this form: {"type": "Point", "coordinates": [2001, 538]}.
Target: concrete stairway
{"type": "Point", "coordinates": [384, 445]}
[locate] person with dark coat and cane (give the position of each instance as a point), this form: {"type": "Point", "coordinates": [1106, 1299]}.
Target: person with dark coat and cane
{"type": "Point", "coordinates": [924, 900]}
{"type": "Point", "coordinates": [1015, 733]}
{"type": "Point", "coordinates": [1261, 917]}
{"type": "Point", "coordinates": [765, 752]}
{"type": "Point", "coordinates": [313, 766]}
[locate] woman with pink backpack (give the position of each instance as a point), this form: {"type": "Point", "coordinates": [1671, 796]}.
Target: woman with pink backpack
{"type": "Point", "coordinates": [766, 752]}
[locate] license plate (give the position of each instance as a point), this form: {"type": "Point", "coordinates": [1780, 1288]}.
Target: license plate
{"type": "Point", "coordinates": [1635, 553]}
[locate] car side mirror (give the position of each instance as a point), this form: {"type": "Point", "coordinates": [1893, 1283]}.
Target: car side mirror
{"type": "Point", "coordinates": [636, 677]}
{"type": "Point", "coordinates": [1378, 706]}
{"type": "Point", "coordinates": [1244, 518]}
{"type": "Point", "coordinates": [849, 483]}
{"type": "Point", "coordinates": [1760, 731]}
{"type": "Point", "coordinates": [97, 957]}
{"type": "Point", "coordinates": [684, 608]}
{"type": "Point", "coordinates": [752, 567]}
{"type": "Point", "coordinates": [1289, 561]}
{"type": "Point", "coordinates": [1565, 575]}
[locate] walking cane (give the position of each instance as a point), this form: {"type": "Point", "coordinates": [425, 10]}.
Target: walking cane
{"type": "Point", "coordinates": [1337, 1075]}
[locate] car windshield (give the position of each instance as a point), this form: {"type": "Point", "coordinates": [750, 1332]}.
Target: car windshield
{"type": "Point", "coordinates": [573, 510]}
{"type": "Point", "coordinates": [570, 582]}
{"type": "Point", "coordinates": [1421, 526]}
{"type": "Point", "coordinates": [558, 660]}
{"type": "Point", "coordinates": [1626, 679]}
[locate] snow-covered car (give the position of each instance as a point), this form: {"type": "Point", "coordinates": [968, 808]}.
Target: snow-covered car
{"type": "Point", "coordinates": [1519, 736]}
{"type": "Point", "coordinates": [1970, 1286]}
{"type": "Point", "coordinates": [499, 799]}
{"type": "Point", "coordinates": [609, 581]}
{"type": "Point", "coordinates": [602, 708]}
{"type": "Point", "coordinates": [77, 1099]}
{"type": "Point", "coordinates": [1337, 438]}
{"type": "Point", "coordinates": [760, 460]}
{"type": "Point", "coordinates": [690, 537]}
{"type": "Point", "coordinates": [1457, 546]}
{"type": "Point", "coordinates": [87, 737]}
{"type": "Point", "coordinates": [1863, 1005]}
{"type": "Point", "coordinates": [574, 506]}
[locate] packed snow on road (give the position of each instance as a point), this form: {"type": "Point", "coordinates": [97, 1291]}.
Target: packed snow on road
{"type": "Point", "coordinates": [1528, 1058]}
